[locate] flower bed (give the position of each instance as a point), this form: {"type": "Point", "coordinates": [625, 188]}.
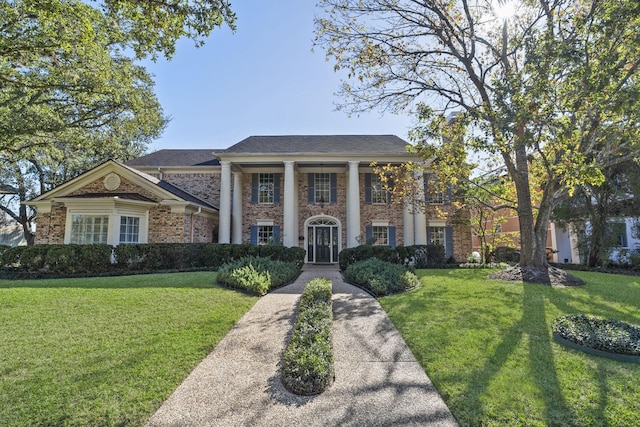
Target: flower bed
{"type": "Point", "coordinates": [602, 337]}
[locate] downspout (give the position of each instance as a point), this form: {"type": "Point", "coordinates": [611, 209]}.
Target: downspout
{"type": "Point", "coordinates": [192, 223]}
{"type": "Point", "coordinates": [160, 174]}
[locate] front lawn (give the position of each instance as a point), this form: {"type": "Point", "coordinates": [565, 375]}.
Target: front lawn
{"type": "Point", "coordinates": [105, 351]}
{"type": "Point", "coordinates": [487, 347]}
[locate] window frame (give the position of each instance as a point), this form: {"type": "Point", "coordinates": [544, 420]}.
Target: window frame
{"type": "Point", "coordinates": [104, 228]}
{"type": "Point", "coordinates": [322, 183]}
{"type": "Point", "coordinates": [129, 229]}
{"type": "Point", "coordinates": [266, 188]}
{"type": "Point", "coordinates": [380, 232]}
{"type": "Point", "coordinates": [440, 232]}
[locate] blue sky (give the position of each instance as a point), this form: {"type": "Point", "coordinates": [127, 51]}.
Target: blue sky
{"type": "Point", "coordinates": [263, 79]}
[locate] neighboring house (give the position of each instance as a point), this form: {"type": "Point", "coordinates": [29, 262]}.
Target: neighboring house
{"type": "Point", "coordinates": [12, 235]}
{"type": "Point", "coordinates": [623, 237]}
{"type": "Point", "coordinates": [316, 192]}
{"type": "Point", "coordinates": [560, 242]}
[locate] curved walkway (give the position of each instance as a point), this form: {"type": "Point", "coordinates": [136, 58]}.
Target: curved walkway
{"type": "Point", "coordinates": [378, 382]}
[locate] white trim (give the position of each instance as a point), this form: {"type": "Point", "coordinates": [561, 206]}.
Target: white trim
{"type": "Point", "coordinates": [437, 223]}
{"type": "Point", "coordinates": [337, 223]}
{"type": "Point", "coordinates": [265, 222]}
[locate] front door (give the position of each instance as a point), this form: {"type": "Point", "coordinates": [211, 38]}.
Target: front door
{"type": "Point", "coordinates": [323, 244]}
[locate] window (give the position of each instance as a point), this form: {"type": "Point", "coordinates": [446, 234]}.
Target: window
{"type": "Point", "coordinates": [88, 229]}
{"type": "Point", "coordinates": [436, 236]}
{"type": "Point", "coordinates": [265, 234]}
{"type": "Point", "coordinates": [378, 192]}
{"type": "Point", "coordinates": [129, 229]}
{"type": "Point", "coordinates": [322, 187]}
{"type": "Point", "coordinates": [380, 235]}
{"type": "Point", "coordinates": [498, 228]}
{"type": "Point", "coordinates": [618, 233]}
{"type": "Point", "coordinates": [266, 185]}
{"type": "Point", "coordinates": [433, 192]}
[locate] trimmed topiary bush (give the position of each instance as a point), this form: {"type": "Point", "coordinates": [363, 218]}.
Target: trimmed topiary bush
{"type": "Point", "coordinates": [611, 336]}
{"type": "Point", "coordinates": [307, 365]}
{"type": "Point", "coordinates": [250, 274]}
{"type": "Point", "coordinates": [380, 277]}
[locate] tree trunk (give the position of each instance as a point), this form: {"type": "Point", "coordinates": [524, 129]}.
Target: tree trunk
{"type": "Point", "coordinates": [596, 242]}
{"type": "Point", "coordinates": [27, 228]}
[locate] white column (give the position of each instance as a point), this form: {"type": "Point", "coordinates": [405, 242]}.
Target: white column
{"type": "Point", "coordinates": [407, 219]}
{"type": "Point", "coordinates": [236, 216]}
{"type": "Point", "coordinates": [224, 214]}
{"type": "Point", "coordinates": [353, 205]}
{"type": "Point", "coordinates": [419, 217]}
{"type": "Point", "coordinates": [290, 226]}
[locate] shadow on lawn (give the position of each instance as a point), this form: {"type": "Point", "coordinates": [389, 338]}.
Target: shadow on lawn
{"type": "Point", "coordinates": [532, 326]}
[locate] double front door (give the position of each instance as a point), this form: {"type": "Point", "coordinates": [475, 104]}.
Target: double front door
{"type": "Point", "coordinates": [323, 244]}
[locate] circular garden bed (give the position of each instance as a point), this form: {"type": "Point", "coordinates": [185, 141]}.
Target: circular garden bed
{"type": "Point", "coordinates": [613, 339]}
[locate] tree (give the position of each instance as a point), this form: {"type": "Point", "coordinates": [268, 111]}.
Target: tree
{"type": "Point", "coordinates": [543, 89]}
{"type": "Point", "coordinates": [69, 98]}
{"type": "Point", "coordinates": [616, 197]}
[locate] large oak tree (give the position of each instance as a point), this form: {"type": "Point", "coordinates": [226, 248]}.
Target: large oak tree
{"type": "Point", "coordinates": [541, 84]}
{"type": "Point", "coordinates": [71, 92]}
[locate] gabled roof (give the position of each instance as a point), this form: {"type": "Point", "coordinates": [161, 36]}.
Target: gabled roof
{"type": "Point", "coordinates": [163, 189]}
{"type": "Point", "coordinates": [321, 144]}
{"type": "Point", "coordinates": [176, 158]}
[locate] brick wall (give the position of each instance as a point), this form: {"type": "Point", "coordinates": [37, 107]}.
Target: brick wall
{"type": "Point", "coordinates": [50, 226]}
{"type": "Point", "coordinates": [164, 226]}
{"type": "Point", "coordinates": [252, 212]}
{"type": "Point", "coordinates": [205, 186]}
{"type": "Point", "coordinates": [392, 212]}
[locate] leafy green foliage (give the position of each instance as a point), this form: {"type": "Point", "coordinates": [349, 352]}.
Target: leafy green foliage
{"type": "Point", "coordinates": [349, 256]}
{"type": "Point", "coordinates": [307, 365]}
{"type": "Point", "coordinates": [258, 275]}
{"type": "Point", "coordinates": [380, 277]}
{"type": "Point", "coordinates": [607, 335]}
{"type": "Point", "coordinates": [549, 96]}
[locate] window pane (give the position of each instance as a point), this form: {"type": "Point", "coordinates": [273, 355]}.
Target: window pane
{"type": "Point", "coordinates": [129, 229]}
{"type": "Point", "coordinates": [436, 236]}
{"type": "Point", "coordinates": [265, 188]}
{"type": "Point", "coordinates": [265, 234]}
{"type": "Point", "coordinates": [88, 229]}
{"type": "Point", "coordinates": [380, 235]}
{"type": "Point", "coordinates": [378, 193]}
{"type": "Point", "coordinates": [322, 185]}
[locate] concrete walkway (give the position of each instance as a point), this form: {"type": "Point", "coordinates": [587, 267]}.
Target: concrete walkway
{"type": "Point", "coordinates": [378, 382]}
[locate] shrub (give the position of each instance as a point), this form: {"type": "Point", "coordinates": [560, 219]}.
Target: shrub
{"type": "Point", "coordinates": [250, 279]}
{"type": "Point", "coordinates": [607, 335]}
{"type": "Point", "coordinates": [307, 365]}
{"type": "Point", "coordinates": [63, 259]}
{"type": "Point", "coordinates": [380, 277]}
{"type": "Point", "coordinates": [95, 258]}
{"type": "Point", "coordinates": [11, 256]}
{"type": "Point", "coordinates": [280, 273]}
{"type": "Point", "coordinates": [32, 258]}
{"type": "Point", "coordinates": [360, 253]}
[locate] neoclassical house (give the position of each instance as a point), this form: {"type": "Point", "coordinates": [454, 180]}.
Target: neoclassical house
{"type": "Point", "coordinates": [316, 192]}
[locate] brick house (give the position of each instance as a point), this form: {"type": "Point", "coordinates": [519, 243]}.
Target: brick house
{"type": "Point", "coordinates": [316, 192]}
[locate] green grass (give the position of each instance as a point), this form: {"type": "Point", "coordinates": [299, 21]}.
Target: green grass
{"type": "Point", "coordinates": [487, 347]}
{"type": "Point", "coordinates": [105, 351]}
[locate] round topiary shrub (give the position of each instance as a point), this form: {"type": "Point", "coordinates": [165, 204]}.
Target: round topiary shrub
{"type": "Point", "coordinates": [604, 335]}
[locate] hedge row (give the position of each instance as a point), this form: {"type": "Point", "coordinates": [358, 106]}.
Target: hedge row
{"type": "Point", "coordinates": [257, 275]}
{"type": "Point", "coordinates": [99, 258]}
{"type": "Point", "coordinates": [418, 256]}
{"type": "Point", "coordinates": [381, 277]}
{"type": "Point", "coordinates": [307, 365]}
